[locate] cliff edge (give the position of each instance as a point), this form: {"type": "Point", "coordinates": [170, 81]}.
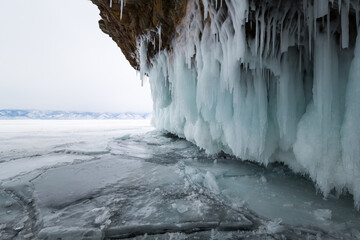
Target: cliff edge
{"type": "Point", "coordinates": [125, 20]}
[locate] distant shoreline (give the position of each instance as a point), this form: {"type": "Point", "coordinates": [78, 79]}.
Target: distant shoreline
{"type": "Point", "coordinates": [21, 114]}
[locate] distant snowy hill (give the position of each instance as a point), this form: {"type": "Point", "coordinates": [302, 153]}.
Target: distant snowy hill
{"type": "Point", "coordinates": [64, 115]}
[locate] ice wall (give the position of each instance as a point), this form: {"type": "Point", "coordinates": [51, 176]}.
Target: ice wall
{"type": "Point", "coordinates": [266, 81]}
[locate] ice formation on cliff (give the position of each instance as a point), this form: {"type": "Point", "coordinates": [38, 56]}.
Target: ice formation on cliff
{"type": "Point", "coordinates": [266, 82]}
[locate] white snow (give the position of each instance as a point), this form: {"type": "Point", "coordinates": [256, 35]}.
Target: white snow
{"type": "Point", "coordinates": [286, 94]}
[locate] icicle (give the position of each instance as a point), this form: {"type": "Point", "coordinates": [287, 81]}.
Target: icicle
{"type": "Point", "coordinates": [262, 36]}
{"type": "Point", "coordinates": [357, 17]}
{"type": "Point", "coordinates": [268, 37]}
{"type": "Point", "coordinates": [160, 40]}
{"type": "Point", "coordinates": [256, 32]}
{"type": "Point", "coordinates": [153, 40]}
{"type": "Point", "coordinates": [339, 3]}
{"type": "Point", "coordinates": [315, 27]}
{"type": "Point", "coordinates": [142, 44]}
{"type": "Point", "coordinates": [121, 10]}
{"type": "Point", "coordinates": [310, 28]}
{"type": "Point", "coordinates": [298, 29]}
{"type": "Point", "coordinates": [328, 25]}
{"type": "Point", "coordinates": [273, 36]}
{"type": "Point", "coordinates": [300, 59]}
{"type": "Point", "coordinates": [345, 25]}
{"type": "Point", "coordinates": [321, 8]}
{"type": "Point", "coordinates": [206, 8]}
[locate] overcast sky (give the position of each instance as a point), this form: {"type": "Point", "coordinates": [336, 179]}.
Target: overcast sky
{"type": "Point", "coordinates": [53, 56]}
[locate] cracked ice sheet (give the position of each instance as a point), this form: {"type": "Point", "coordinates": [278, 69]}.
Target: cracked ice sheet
{"type": "Point", "coordinates": [273, 192]}
{"type": "Point", "coordinates": [114, 192]}
{"type": "Point", "coordinates": [139, 177]}
{"type": "Point", "coordinates": [29, 145]}
{"type": "Point", "coordinates": [25, 165]}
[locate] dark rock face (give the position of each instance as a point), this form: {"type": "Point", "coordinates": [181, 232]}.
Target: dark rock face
{"type": "Point", "coordinates": [140, 17]}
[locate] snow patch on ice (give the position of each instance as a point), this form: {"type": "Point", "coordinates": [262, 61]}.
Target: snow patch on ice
{"type": "Point", "coordinates": [323, 214]}
{"type": "Point", "coordinates": [103, 215]}
{"type": "Point", "coordinates": [273, 227]}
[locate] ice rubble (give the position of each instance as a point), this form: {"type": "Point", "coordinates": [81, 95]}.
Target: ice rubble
{"type": "Point", "coordinates": [265, 81]}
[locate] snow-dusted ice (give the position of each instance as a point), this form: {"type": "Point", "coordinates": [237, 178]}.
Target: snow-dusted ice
{"type": "Point", "coordinates": [105, 179]}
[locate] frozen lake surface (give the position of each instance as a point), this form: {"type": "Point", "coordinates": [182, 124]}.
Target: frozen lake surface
{"type": "Point", "coordinates": [114, 179]}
